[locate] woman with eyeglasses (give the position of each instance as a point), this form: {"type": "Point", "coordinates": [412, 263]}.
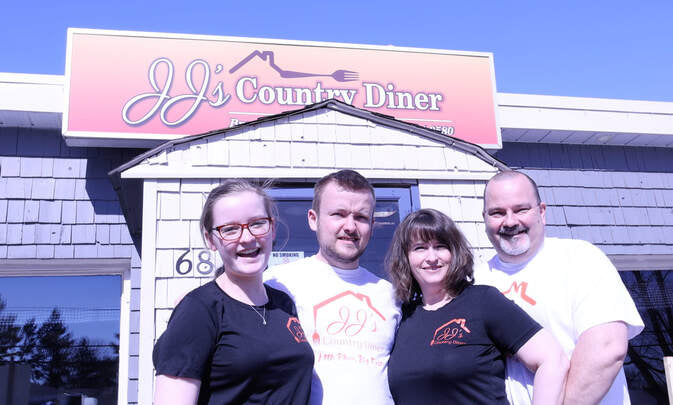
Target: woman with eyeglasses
{"type": "Point", "coordinates": [234, 339]}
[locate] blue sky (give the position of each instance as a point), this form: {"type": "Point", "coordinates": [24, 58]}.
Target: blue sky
{"type": "Point", "coordinates": [606, 49]}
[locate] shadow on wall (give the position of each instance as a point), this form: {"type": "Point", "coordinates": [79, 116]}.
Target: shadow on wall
{"type": "Point", "coordinates": [104, 199]}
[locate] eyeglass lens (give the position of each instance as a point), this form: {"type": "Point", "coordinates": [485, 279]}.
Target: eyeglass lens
{"type": "Point", "coordinates": [257, 227]}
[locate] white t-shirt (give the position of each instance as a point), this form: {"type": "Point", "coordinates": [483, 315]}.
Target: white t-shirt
{"type": "Point", "coordinates": [569, 286]}
{"type": "Point", "coordinates": [350, 318]}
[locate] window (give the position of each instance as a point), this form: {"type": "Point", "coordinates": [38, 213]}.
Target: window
{"type": "Point", "coordinates": [294, 235]}
{"type": "Point", "coordinates": [60, 334]}
{"type": "Point", "coordinates": [652, 292]}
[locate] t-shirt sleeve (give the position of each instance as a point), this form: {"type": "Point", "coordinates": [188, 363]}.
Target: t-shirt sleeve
{"type": "Point", "coordinates": [185, 348]}
{"type": "Point", "coordinates": [599, 295]}
{"type": "Point", "coordinates": [509, 326]}
{"type": "Point", "coordinates": [283, 300]}
{"type": "Point", "coordinates": [273, 278]}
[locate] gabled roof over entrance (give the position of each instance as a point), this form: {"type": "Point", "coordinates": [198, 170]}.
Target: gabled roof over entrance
{"type": "Point", "coordinates": [303, 145]}
{"type": "Point", "coordinates": [291, 127]}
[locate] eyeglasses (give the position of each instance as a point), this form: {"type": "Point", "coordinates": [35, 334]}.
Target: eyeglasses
{"type": "Point", "coordinates": [257, 227]}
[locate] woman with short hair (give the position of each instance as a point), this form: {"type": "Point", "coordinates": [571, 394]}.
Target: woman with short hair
{"type": "Point", "coordinates": [454, 336]}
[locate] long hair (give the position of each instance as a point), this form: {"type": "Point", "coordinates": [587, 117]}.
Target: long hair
{"type": "Point", "coordinates": [428, 225]}
{"type": "Point", "coordinates": [227, 188]}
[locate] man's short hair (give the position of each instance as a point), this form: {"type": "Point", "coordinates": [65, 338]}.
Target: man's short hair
{"type": "Point", "coordinates": [510, 174]}
{"type": "Point", "coordinates": [347, 179]}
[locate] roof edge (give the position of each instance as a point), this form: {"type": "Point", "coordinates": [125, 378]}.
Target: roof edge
{"type": "Point", "coordinates": [584, 103]}
{"type": "Point", "coordinates": [335, 105]}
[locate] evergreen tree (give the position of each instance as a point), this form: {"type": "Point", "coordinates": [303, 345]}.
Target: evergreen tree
{"type": "Point", "coordinates": [52, 357]}
{"type": "Point", "coordinates": [29, 341]}
{"type": "Point", "coordinates": [86, 371]}
{"type": "Point", "coordinates": [55, 357]}
{"type": "Point", "coordinates": [9, 334]}
{"type": "Point", "coordinates": [643, 364]}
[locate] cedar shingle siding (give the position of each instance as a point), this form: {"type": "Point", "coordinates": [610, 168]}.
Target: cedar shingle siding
{"type": "Point", "coordinates": [617, 197]}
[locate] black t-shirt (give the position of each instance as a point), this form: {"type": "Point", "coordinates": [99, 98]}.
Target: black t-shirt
{"type": "Point", "coordinates": [456, 354]}
{"type": "Point", "coordinates": [239, 360]}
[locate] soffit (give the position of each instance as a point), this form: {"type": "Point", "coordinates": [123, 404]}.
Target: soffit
{"type": "Point", "coordinates": [591, 121]}
{"type": "Point", "coordinates": [31, 101]}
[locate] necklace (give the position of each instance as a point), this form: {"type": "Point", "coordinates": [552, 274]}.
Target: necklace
{"type": "Point", "coordinates": [262, 315]}
{"type": "Point", "coordinates": [439, 304]}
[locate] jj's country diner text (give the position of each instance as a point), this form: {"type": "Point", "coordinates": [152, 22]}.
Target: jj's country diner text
{"type": "Point", "coordinates": [251, 89]}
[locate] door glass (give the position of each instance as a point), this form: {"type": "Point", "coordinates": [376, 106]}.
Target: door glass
{"type": "Point", "coordinates": [59, 339]}
{"type": "Point", "coordinates": [652, 291]}
{"type": "Point", "coordinates": [295, 236]}
{"type": "Point", "coordinates": [386, 219]}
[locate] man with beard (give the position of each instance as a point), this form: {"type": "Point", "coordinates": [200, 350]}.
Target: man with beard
{"type": "Point", "coordinates": [348, 314]}
{"type": "Point", "coordinates": [569, 286]}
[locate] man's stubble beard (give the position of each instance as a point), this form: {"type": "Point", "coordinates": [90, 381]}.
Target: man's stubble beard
{"type": "Point", "coordinates": [514, 248]}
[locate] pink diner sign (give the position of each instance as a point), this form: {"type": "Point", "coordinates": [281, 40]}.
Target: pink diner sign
{"type": "Point", "coordinates": [127, 86]}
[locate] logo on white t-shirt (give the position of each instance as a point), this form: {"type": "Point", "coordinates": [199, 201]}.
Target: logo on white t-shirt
{"type": "Point", "coordinates": [347, 314]}
{"type": "Point", "coordinates": [520, 289]}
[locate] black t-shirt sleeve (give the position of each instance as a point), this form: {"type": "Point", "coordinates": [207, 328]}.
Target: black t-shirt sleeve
{"type": "Point", "coordinates": [509, 326]}
{"type": "Point", "coordinates": [185, 348]}
{"type": "Point", "coordinates": [282, 300]}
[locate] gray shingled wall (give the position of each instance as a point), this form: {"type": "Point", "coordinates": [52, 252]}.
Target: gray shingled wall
{"type": "Point", "coordinates": [57, 202]}
{"type": "Point", "coordinates": [619, 198]}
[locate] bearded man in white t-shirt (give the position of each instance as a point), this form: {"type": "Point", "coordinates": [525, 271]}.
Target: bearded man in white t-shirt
{"type": "Point", "coordinates": [348, 314]}
{"type": "Point", "coordinates": [569, 286]}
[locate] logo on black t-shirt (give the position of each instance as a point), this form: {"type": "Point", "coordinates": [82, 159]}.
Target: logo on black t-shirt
{"type": "Point", "coordinates": [295, 329]}
{"type": "Point", "coordinates": [450, 333]}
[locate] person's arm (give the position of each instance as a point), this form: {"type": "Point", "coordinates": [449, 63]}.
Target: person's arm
{"type": "Point", "coordinates": [184, 349]}
{"type": "Point", "coordinates": [169, 390]}
{"type": "Point", "coordinates": [595, 362]}
{"type": "Point", "coordinates": [543, 355]}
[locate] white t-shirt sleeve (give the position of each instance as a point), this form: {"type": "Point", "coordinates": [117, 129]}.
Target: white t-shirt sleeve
{"type": "Point", "coordinates": [599, 295]}
{"type": "Point", "coordinates": [278, 277]}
